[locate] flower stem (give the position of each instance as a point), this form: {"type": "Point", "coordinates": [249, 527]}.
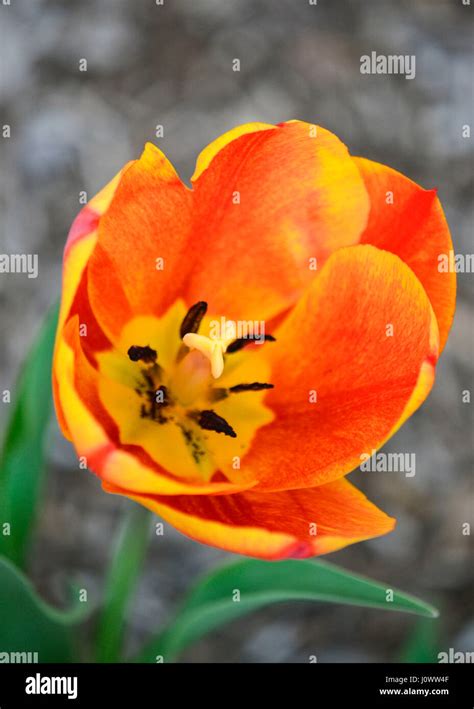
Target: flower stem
{"type": "Point", "coordinates": [121, 581]}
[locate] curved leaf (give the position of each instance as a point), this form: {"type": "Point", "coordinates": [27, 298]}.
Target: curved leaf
{"type": "Point", "coordinates": [245, 586]}
{"type": "Point", "coordinates": [21, 460]}
{"type": "Point", "coordinates": [29, 624]}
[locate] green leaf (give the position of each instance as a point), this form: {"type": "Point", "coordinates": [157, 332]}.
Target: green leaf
{"type": "Point", "coordinates": [21, 459]}
{"type": "Point", "coordinates": [121, 580]}
{"type": "Point", "coordinates": [28, 624]}
{"type": "Point", "coordinates": [260, 583]}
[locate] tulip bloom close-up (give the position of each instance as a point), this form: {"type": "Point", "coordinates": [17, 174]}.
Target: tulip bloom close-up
{"type": "Point", "coordinates": [228, 352]}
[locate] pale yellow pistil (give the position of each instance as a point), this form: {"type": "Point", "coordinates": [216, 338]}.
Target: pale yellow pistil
{"type": "Point", "coordinates": [212, 348]}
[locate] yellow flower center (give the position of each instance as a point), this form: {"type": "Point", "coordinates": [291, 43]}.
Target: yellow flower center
{"type": "Point", "coordinates": [192, 401]}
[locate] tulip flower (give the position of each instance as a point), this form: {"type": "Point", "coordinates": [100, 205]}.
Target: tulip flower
{"type": "Point", "coordinates": [227, 353]}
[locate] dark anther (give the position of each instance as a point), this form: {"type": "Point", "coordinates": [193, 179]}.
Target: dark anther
{"type": "Point", "coordinates": [210, 421]}
{"type": "Point", "coordinates": [144, 354]}
{"type": "Point", "coordinates": [219, 393]}
{"type": "Point", "coordinates": [237, 345]}
{"type": "Point", "coordinates": [193, 318]}
{"type": "Point", "coordinates": [254, 386]}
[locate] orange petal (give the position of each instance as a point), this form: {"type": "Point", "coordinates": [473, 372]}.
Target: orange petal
{"type": "Point", "coordinates": [267, 199]}
{"type": "Point", "coordinates": [80, 243]}
{"type": "Point", "coordinates": [142, 256]}
{"type": "Point", "coordinates": [81, 240]}
{"type": "Point", "coordinates": [343, 383]}
{"type": "Point", "coordinates": [413, 227]}
{"type": "Point", "coordinates": [295, 523]}
{"type": "Point", "coordinates": [94, 433]}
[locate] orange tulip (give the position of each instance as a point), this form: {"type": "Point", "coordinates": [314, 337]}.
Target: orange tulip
{"type": "Point", "coordinates": [226, 354]}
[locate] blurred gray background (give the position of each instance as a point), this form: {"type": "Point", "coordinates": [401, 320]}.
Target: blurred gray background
{"type": "Point", "coordinates": [172, 65]}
